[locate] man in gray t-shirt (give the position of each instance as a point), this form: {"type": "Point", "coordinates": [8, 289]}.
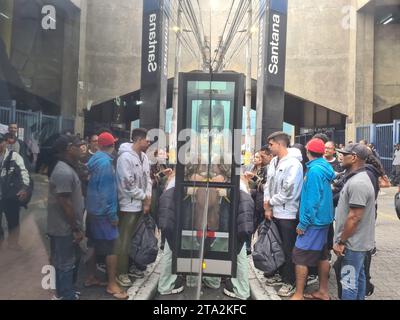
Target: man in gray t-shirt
{"type": "Point", "coordinates": [64, 180]}
{"type": "Point", "coordinates": [65, 215]}
{"type": "Point", "coordinates": [358, 192]}
{"type": "Point", "coordinates": [355, 222]}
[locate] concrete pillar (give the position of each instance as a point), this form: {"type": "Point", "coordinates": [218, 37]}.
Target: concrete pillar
{"type": "Point", "coordinates": [361, 73]}
{"type": "Point", "coordinates": [82, 83]}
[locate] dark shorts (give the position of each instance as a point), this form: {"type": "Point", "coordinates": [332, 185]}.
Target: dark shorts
{"type": "Point", "coordinates": [309, 258]}
{"type": "Point", "coordinates": [101, 235]}
{"type": "Point", "coordinates": [103, 247]}
{"type": "Point", "coordinates": [311, 247]}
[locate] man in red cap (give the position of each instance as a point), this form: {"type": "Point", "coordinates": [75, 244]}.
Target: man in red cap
{"type": "Point", "coordinates": [316, 214]}
{"type": "Point", "coordinates": [102, 209]}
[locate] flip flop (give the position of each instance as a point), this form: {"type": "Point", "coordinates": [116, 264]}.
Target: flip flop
{"type": "Point", "coordinates": [310, 296]}
{"type": "Point", "coordinates": [122, 295]}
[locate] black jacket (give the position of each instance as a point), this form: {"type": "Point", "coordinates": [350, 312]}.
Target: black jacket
{"type": "Point", "coordinates": [167, 217]}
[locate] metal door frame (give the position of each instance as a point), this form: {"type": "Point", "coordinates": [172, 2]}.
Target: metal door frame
{"type": "Point", "coordinates": [212, 258]}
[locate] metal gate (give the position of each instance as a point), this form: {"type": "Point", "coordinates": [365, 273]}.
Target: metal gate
{"type": "Point", "coordinates": [35, 125]}
{"type": "Point", "coordinates": [365, 133]}
{"type": "Point", "coordinates": [29, 121]}
{"type": "Point", "coordinates": [50, 125]}
{"type": "Point", "coordinates": [384, 144]}
{"type": "Point", "coordinates": [5, 115]}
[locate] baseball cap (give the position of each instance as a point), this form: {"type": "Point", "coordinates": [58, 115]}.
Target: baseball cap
{"type": "Point", "coordinates": [316, 145]}
{"type": "Point", "coordinates": [64, 141]}
{"type": "Point", "coordinates": [106, 139]}
{"type": "Point", "coordinates": [357, 149]}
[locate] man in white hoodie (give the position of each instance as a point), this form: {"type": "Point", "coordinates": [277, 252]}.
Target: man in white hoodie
{"type": "Point", "coordinates": [281, 203]}
{"type": "Point", "coordinates": [134, 197]}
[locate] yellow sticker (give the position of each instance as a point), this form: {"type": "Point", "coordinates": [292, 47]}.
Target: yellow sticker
{"type": "Point", "coordinates": [204, 265]}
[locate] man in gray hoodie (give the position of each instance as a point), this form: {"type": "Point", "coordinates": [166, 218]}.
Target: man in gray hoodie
{"type": "Point", "coordinates": [134, 197]}
{"type": "Point", "coordinates": [281, 203]}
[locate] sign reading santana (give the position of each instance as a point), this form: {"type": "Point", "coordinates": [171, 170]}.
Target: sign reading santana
{"type": "Point", "coordinates": [276, 45]}
{"type": "Point", "coordinates": [153, 93]}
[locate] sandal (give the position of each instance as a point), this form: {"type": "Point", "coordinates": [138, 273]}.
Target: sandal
{"type": "Point", "coordinates": [122, 295]}
{"type": "Point", "coordinates": [311, 296]}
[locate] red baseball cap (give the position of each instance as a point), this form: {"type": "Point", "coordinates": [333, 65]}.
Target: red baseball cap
{"type": "Point", "coordinates": [316, 146]}
{"type": "Point", "coordinates": [106, 140]}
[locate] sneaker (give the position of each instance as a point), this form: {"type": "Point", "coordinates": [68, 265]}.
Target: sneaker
{"type": "Point", "coordinates": [312, 279]}
{"type": "Point", "coordinates": [287, 290]}
{"type": "Point", "coordinates": [228, 290]}
{"type": "Point", "coordinates": [135, 273]}
{"type": "Point", "coordinates": [273, 281]}
{"type": "Point", "coordinates": [123, 280]}
{"type": "Point", "coordinates": [178, 288]}
{"type": "Point", "coordinates": [101, 267]}
{"type": "Point", "coordinates": [370, 289]}
{"type": "Point", "coordinates": [57, 298]}
{"type": "Point", "coordinates": [373, 252]}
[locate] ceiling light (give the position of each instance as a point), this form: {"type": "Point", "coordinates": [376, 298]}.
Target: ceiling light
{"type": "Point", "coordinates": [388, 19]}
{"type": "Point", "coordinates": [4, 15]}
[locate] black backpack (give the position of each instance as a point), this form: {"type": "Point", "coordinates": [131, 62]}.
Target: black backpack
{"type": "Point", "coordinates": [144, 244]}
{"type": "Point", "coordinates": [268, 255]}
{"type": "Point", "coordinates": [12, 183]}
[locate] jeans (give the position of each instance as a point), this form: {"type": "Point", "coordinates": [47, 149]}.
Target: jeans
{"type": "Point", "coordinates": [352, 275]}
{"type": "Point", "coordinates": [11, 210]}
{"type": "Point", "coordinates": [64, 255]}
{"type": "Point", "coordinates": [287, 232]}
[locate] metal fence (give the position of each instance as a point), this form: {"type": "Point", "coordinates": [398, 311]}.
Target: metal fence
{"type": "Point", "coordinates": [365, 133]}
{"type": "Point", "coordinates": [5, 115]}
{"type": "Point", "coordinates": [35, 124]}
{"type": "Point", "coordinates": [384, 137]}
{"type": "Point", "coordinates": [29, 122]}
{"type": "Point", "coordinates": [384, 144]}
{"type": "Point", "coordinates": [337, 136]}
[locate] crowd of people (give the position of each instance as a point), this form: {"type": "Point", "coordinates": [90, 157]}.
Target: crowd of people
{"type": "Point", "coordinates": [307, 191]}
{"type": "Point", "coordinates": [322, 198]}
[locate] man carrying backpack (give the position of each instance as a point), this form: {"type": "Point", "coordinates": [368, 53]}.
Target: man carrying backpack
{"type": "Point", "coordinates": [14, 186]}
{"type": "Point", "coordinates": [281, 203]}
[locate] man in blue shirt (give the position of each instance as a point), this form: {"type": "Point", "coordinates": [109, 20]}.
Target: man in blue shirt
{"type": "Point", "coordinates": [102, 207]}
{"type": "Point", "coordinates": [316, 214]}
